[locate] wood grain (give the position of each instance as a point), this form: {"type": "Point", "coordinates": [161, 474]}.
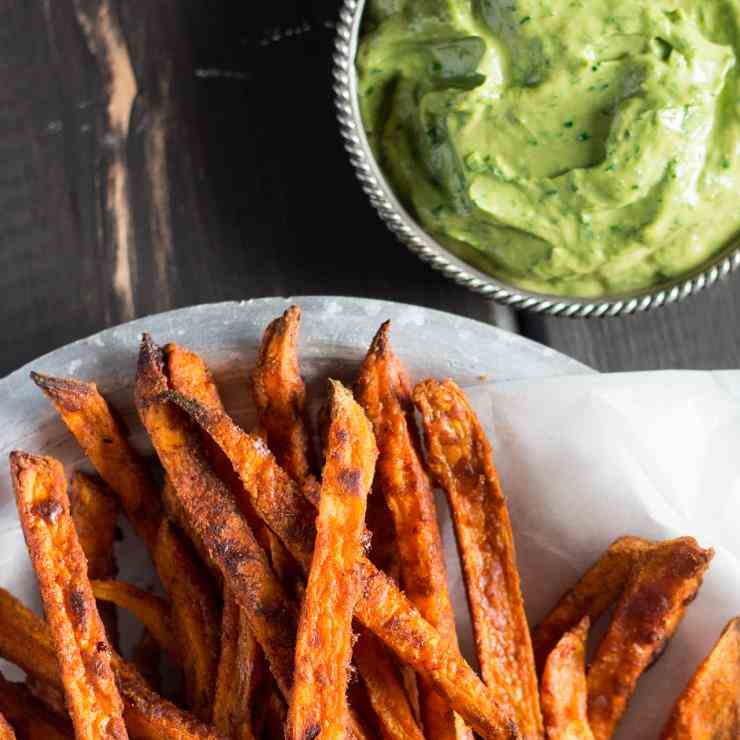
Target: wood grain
{"type": "Point", "coordinates": [165, 153]}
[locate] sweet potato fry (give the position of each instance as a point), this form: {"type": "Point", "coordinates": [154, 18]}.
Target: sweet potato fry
{"type": "Point", "coordinates": [709, 707]}
{"type": "Point", "coordinates": [280, 395]}
{"type": "Point", "coordinates": [188, 374]}
{"type": "Point", "coordinates": [318, 702]}
{"type": "Point", "coordinates": [382, 607]}
{"type": "Point", "coordinates": [383, 390]}
{"type": "Point", "coordinates": [82, 649]}
{"type": "Point", "coordinates": [215, 519]}
{"type": "Point", "coordinates": [647, 614]}
{"type": "Point", "coordinates": [6, 731]}
{"type": "Point", "coordinates": [237, 673]}
{"type": "Point", "coordinates": [29, 716]}
{"type": "Point", "coordinates": [103, 439]}
{"type": "Point", "coordinates": [25, 641]}
{"type": "Point", "coordinates": [460, 458]}
{"type": "Point", "coordinates": [598, 588]}
{"type": "Point", "coordinates": [392, 708]}
{"type": "Point", "coordinates": [196, 624]}
{"type": "Point", "coordinates": [563, 692]}
{"type": "Point", "coordinates": [94, 513]}
{"type": "Point", "coordinates": [151, 610]}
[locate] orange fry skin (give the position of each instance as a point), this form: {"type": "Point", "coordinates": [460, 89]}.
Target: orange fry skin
{"type": "Point", "coordinates": [318, 702]}
{"type": "Point", "coordinates": [392, 708]}
{"type": "Point", "coordinates": [25, 641]}
{"type": "Point", "coordinates": [103, 439]}
{"type": "Point", "coordinates": [214, 518]}
{"type": "Point", "coordinates": [151, 610]}
{"type": "Point", "coordinates": [195, 612]}
{"type": "Point", "coordinates": [237, 673]}
{"type": "Point", "coordinates": [383, 390]}
{"type": "Point", "coordinates": [597, 589]}
{"type": "Point", "coordinates": [646, 616]}
{"type": "Point", "coordinates": [61, 570]}
{"type": "Point", "coordinates": [94, 513]}
{"type": "Point", "coordinates": [280, 395]}
{"type": "Point", "coordinates": [564, 694]}
{"type": "Point", "coordinates": [709, 707]}
{"type": "Point", "coordinates": [6, 731]}
{"type": "Point", "coordinates": [382, 607]}
{"type": "Point", "coordinates": [189, 375]}
{"type": "Point", "coordinates": [29, 716]}
{"type": "Point", "coordinates": [460, 458]}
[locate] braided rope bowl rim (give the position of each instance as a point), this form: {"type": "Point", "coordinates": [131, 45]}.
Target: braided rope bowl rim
{"type": "Point", "coordinates": [408, 231]}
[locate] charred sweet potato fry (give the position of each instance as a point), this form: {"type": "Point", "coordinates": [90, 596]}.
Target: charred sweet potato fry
{"type": "Point", "coordinates": [25, 641]}
{"type": "Point", "coordinates": [103, 439]}
{"type": "Point", "coordinates": [460, 457]}
{"type": "Point", "coordinates": [598, 588]}
{"type": "Point", "coordinates": [709, 707]}
{"type": "Point", "coordinates": [318, 702]}
{"type": "Point", "coordinates": [237, 673]}
{"type": "Point", "coordinates": [94, 513]}
{"type": "Point", "coordinates": [29, 716]}
{"type": "Point", "coordinates": [563, 692]}
{"type": "Point", "coordinates": [151, 610]}
{"type": "Point", "coordinates": [647, 614]}
{"type": "Point", "coordinates": [82, 648]}
{"type": "Point", "coordinates": [392, 708]}
{"type": "Point", "coordinates": [188, 374]}
{"type": "Point", "coordinates": [215, 519]}
{"type": "Point", "coordinates": [382, 607]}
{"type": "Point", "coordinates": [196, 624]}
{"type": "Point", "coordinates": [383, 390]}
{"type": "Point", "coordinates": [280, 395]}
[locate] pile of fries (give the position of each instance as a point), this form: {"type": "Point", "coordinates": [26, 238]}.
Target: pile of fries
{"type": "Point", "coordinates": [306, 605]}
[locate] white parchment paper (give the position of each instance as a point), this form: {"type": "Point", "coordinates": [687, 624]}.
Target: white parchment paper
{"type": "Point", "coordinates": [583, 458]}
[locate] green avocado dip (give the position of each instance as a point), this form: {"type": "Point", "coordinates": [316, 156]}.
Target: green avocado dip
{"type": "Point", "coordinates": [574, 147]}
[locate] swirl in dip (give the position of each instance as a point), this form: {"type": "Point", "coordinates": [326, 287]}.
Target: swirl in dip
{"type": "Point", "coordinates": [574, 147]}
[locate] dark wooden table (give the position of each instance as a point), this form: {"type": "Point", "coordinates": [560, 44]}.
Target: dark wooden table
{"type": "Point", "coordinates": [161, 153]}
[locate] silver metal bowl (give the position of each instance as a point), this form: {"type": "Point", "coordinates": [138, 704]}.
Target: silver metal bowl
{"type": "Point", "coordinates": [418, 241]}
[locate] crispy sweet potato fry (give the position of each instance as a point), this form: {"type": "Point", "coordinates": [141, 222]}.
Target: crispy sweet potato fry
{"type": "Point", "coordinates": [709, 707]}
{"type": "Point", "coordinates": [377, 670]}
{"type": "Point", "coordinates": [94, 513]}
{"type": "Point", "coordinates": [563, 692]}
{"type": "Point", "coordinates": [237, 673]}
{"type": "Point", "coordinates": [188, 374]}
{"type": "Point", "coordinates": [598, 588]}
{"type": "Point", "coordinates": [281, 399]}
{"type": "Point", "coordinates": [6, 731]}
{"type": "Point", "coordinates": [196, 626]}
{"type": "Point", "coordinates": [82, 649]}
{"type": "Point", "coordinates": [382, 607]}
{"type": "Point", "coordinates": [25, 641]}
{"type": "Point", "coordinates": [103, 438]}
{"type": "Point", "coordinates": [460, 458]}
{"type": "Point", "coordinates": [318, 702]}
{"type": "Point", "coordinates": [214, 517]}
{"type": "Point", "coordinates": [151, 610]}
{"type": "Point", "coordinates": [383, 390]}
{"type": "Point", "coordinates": [29, 716]}
{"type": "Point", "coordinates": [647, 614]}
